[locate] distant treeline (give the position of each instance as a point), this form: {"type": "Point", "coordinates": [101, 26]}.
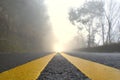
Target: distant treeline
{"type": "Point", "coordinates": [24, 26]}
{"type": "Point", "coordinates": [114, 47]}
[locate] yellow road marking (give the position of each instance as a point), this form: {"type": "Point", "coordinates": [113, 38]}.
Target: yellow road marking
{"type": "Point", "coordinates": [28, 71]}
{"type": "Point", "coordinates": [94, 71]}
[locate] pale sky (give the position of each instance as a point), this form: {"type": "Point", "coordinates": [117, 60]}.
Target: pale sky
{"type": "Point", "coordinates": [58, 13]}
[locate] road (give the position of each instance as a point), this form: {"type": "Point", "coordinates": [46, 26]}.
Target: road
{"type": "Point", "coordinates": [60, 69]}
{"type": "Point", "coordinates": [11, 60]}
{"type": "Point", "coordinates": [61, 66]}
{"type": "Point", "coordinates": [109, 59]}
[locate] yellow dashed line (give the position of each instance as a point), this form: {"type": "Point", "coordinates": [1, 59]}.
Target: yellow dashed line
{"type": "Point", "coordinates": [94, 71]}
{"type": "Point", "coordinates": [28, 71]}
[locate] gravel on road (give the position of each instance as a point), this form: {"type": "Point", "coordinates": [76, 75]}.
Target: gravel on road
{"type": "Point", "coordinates": [60, 69]}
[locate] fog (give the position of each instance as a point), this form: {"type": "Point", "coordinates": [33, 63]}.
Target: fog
{"type": "Point", "coordinates": [25, 26]}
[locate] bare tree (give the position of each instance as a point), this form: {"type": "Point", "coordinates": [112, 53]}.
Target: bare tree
{"type": "Point", "coordinates": [85, 16]}
{"type": "Point", "coordinates": [112, 16]}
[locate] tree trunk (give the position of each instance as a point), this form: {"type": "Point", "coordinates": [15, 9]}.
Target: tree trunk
{"type": "Point", "coordinates": [89, 37]}
{"type": "Point", "coordinates": [109, 32]}
{"type": "Point", "coordinates": [103, 39]}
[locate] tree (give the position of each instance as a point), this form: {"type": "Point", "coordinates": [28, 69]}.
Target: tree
{"type": "Point", "coordinates": [85, 17]}
{"type": "Point", "coordinates": [26, 24]}
{"type": "Point", "coordinates": [4, 27]}
{"type": "Point", "coordinates": [112, 16]}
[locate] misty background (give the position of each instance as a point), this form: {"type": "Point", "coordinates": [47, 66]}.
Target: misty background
{"type": "Point", "coordinates": [45, 25]}
{"type": "Point", "coordinates": [24, 26]}
{"type": "Point", "coordinates": [98, 25]}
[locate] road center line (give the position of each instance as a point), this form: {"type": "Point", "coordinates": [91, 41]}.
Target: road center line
{"type": "Point", "coordinates": [28, 71]}
{"type": "Point", "coordinates": [93, 70]}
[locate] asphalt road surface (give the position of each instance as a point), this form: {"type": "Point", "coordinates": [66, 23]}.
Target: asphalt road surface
{"type": "Point", "coordinates": [109, 59]}
{"type": "Point", "coordinates": [11, 60]}
{"type": "Point", "coordinates": [60, 69]}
